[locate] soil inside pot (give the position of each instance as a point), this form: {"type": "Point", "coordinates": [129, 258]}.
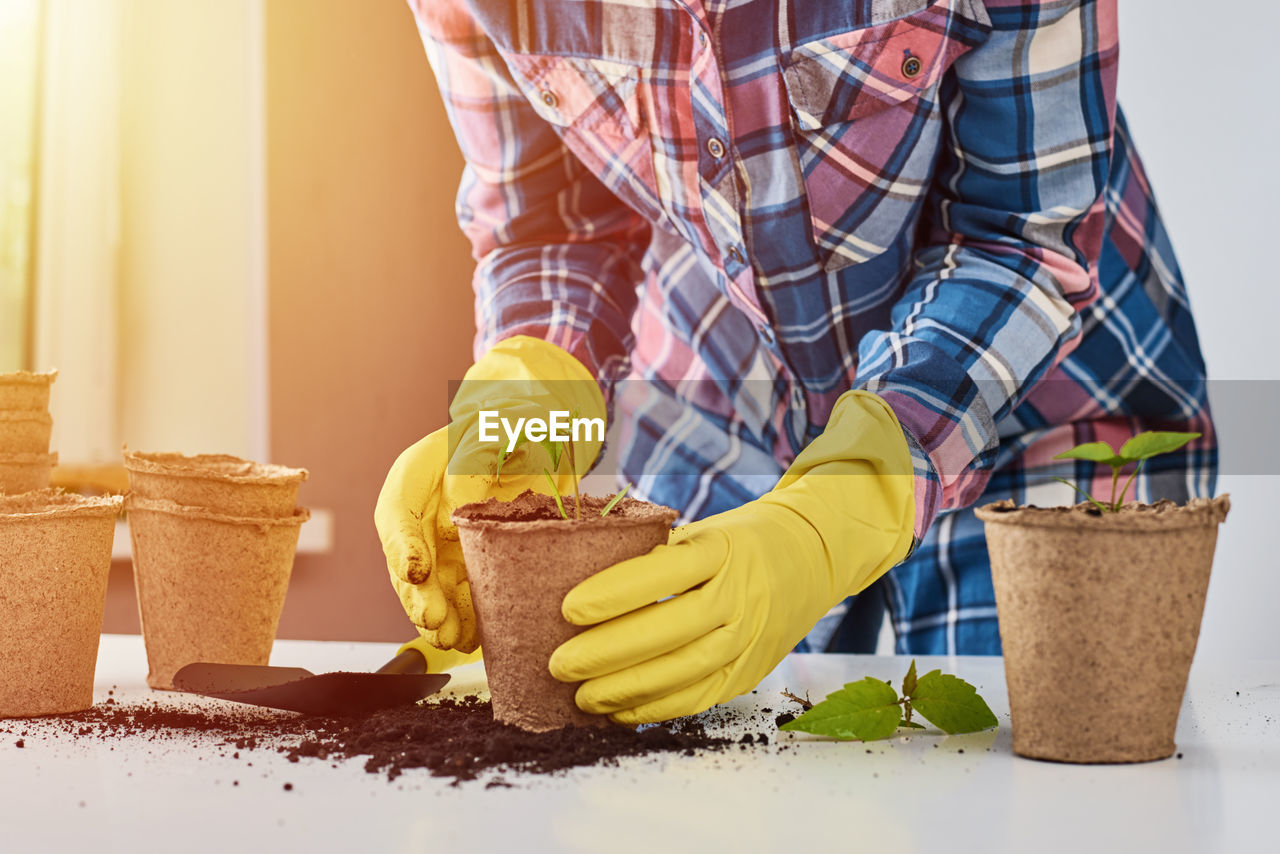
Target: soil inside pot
{"type": "Point", "coordinates": [529, 506]}
{"type": "Point", "coordinates": [1160, 515]}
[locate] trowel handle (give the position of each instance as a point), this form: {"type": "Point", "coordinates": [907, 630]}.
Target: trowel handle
{"type": "Point", "coordinates": [409, 660]}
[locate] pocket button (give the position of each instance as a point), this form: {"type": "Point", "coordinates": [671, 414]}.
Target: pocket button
{"type": "Point", "coordinates": [716, 147]}
{"type": "Point", "coordinates": [912, 66]}
{"type": "Point", "coordinates": [549, 98]}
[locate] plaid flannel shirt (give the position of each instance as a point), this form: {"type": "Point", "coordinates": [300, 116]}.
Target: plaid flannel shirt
{"type": "Point", "coordinates": [756, 205]}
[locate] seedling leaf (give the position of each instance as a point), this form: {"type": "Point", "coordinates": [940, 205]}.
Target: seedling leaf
{"type": "Point", "coordinates": [951, 704]}
{"type": "Point", "coordinates": [909, 681]}
{"type": "Point", "coordinates": [555, 493]}
{"type": "Point", "coordinates": [502, 455]}
{"type": "Point", "coordinates": [613, 502]}
{"type": "Point", "coordinates": [1095, 452]}
{"type": "Point", "coordinates": [1147, 445]}
{"type": "Point", "coordinates": [911, 725]}
{"type": "Point", "coordinates": [554, 450]}
{"type": "Point", "coordinates": [865, 710]}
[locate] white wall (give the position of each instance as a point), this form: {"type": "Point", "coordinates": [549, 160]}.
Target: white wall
{"type": "Point", "coordinates": [1201, 100]}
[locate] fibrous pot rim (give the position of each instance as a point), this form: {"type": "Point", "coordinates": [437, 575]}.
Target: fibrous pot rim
{"type": "Point", "coordinates": [28, 377]}
{"type": "Point", "coordinates": [1163, 515]}
{"type": "Point", "coordinates": [219, 467]}
{"type": "Point", "coordinates": [629, 512]}
{"type": "Point", "coordinates": [134, 504]}
{"type": "Point", "coordinates": [52, 503]}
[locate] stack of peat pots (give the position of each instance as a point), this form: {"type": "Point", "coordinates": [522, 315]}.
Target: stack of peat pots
{"type": "Point", "coordinates": [214, 538]}
{"type": "Point", "coordinates": [55, 555]}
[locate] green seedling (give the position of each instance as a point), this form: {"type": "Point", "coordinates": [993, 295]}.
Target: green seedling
{"type": "Point", "coordinates": [871, 709]}
{"type": "Point", "coordinates": [1139, 449]}
{"type": "Point", "coordinates": [559, 451]}
{"type": "Point", "coordinates": [613, 502]}
{"type": "Point", "coordinates": [502, 457]}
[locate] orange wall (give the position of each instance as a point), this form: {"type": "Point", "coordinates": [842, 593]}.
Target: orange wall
{"type": "Point", "coordinates": [369, 276]}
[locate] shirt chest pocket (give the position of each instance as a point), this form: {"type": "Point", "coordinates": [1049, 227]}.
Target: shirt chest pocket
{"type": "Point", "coordinates": [868, 123]}
{"type": "Point", "coordinates": [596, 107]}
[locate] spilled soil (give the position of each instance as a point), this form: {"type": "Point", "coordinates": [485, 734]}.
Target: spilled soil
{"type": "Point", "coordinates": [453, 738]}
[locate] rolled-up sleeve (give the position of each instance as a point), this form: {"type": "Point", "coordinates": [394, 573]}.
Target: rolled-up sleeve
{"type": "Point", "coordinates": [1015, 223]}
{"type": "Point", "coordinates": [557, 253]}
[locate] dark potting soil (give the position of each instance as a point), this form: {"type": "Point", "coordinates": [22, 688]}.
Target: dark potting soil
{"type": "Point", "coordinates": [451, 738]}
{"type": "Point", "coordinates": [530, 506]}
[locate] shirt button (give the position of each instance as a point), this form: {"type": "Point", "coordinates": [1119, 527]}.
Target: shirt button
{"type": "Point", "coordinates": [716, 147]}
{"type": "Point", "coordinates": [766, 334]}
{"type": "Point", "coordinates": [736, 255]}
{"type": "Point", "coordinates": [797, 398]}
{"type": "Point", "coordinates": [549, 98]}
{"type": "Point", "coordinates": [702, 37]}
{"type": "Point", "coordinates": [912, 66]}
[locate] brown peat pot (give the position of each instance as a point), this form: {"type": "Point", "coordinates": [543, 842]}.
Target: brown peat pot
{"type": "Point", "coordinates": [55, 554]}
{"type": "Point", "coordinates": [210, 586]}
{"type": "Point", "coordinates": [522, 558]}
{"type": "Point", "coordinates": [1099, 616]}
{"type": "Point", "coordinates": [219, 482]}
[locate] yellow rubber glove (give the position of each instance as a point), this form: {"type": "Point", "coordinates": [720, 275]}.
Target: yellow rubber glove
{"type": "Point", "coordinates": [520, 377]}
{"type": "Point", "coordinates": [746, 584]}
{"type": "Point", "coordinates": [439, 660]}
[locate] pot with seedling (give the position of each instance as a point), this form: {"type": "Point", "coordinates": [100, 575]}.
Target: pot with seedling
{"type": "Point", "coordinates": [1100, 608]}
{"type": "Point", "coordinates": [522, 557]}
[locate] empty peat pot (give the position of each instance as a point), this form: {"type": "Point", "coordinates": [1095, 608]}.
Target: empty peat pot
{"type": "Point", "coordinates": [55, 555]}
{"type": "Point", "coordinates": [522, 558]}
{"type": "Point", "coordinates": [220, 482]}
{"type": "Point", "coordinates": [210, 586]}
{"type": "Point", "coordinates": [1099, 616]}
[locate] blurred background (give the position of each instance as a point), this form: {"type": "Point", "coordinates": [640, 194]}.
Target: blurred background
{"type": "Point", "coordinates": [229, 224]}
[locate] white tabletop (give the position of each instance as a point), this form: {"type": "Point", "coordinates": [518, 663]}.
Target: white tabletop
{"type": "Point", "coordinates": [918, 793]}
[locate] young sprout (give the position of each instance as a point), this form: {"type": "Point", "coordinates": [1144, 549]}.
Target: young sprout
{"type": "Point", "coordinates": [1139, 449]}
{"type": "Point", "coordinates": [613, 502]}
{"type": "Point", "coordinates": [558, 451]}
{"type": "Point", "coordinates": [502, 457]}
{"type": "Point", "coordinates": [555, 493]}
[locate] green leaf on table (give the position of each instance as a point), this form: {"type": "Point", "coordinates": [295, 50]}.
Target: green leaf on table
{"type": "Point", "coordinates": [865, 710]}
{"type": "Point", "coordinates": [951, 704]}
{"type": "Point", "coordinates": [1146, 445]}
{"type": "Point", "coordinates": [1094, 452]}
{"type": "Point", "coordinates": [911, 725]}
{"type": "Point", "coordinates": [909, 681]}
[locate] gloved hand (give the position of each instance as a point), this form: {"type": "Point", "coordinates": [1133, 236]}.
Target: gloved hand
{"type": "Point", "coordinates": [520, 377]}
{"type": "Point", "coordinates": [747, 584]}
{"type": "Point", "coordinates": [439, 660]}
